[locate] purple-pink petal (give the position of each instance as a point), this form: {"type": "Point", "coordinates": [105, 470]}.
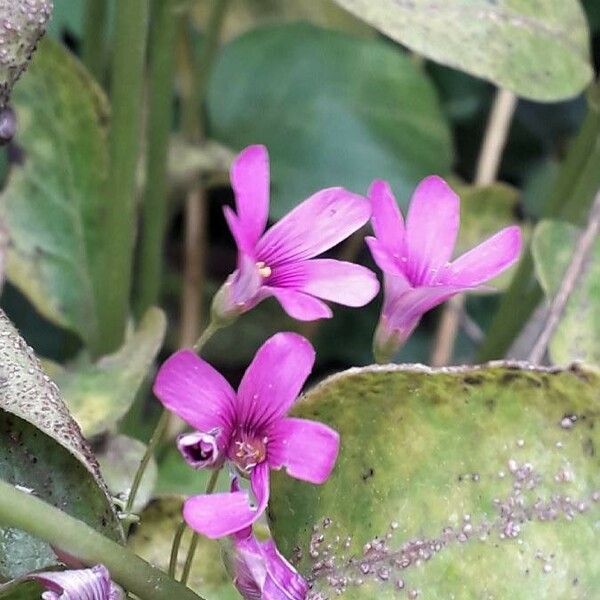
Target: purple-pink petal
{"type": "Point", "coordinates": [262, 573]}
{"type": "Point", "coordinates": [189, 387]}
{"type": "Point", "coordinates": [218, 515]}
{"type": "Point", "coordinates": [78, 584]}
{"type": "Point", "coordinates": [307, 449]}
{"type": "Point", "coordinates": [431, 229]}
{"type": "Point", "coordinates": [334, 280]}
{"type": "Point", "coordinates": [384, 259]}
{"type": "Point", "coordinates": [387, 220]}
{"type": "Point", "coordinates": [250, 183]}
{"type": "Point", "coordinates": [314, 226]}
{"type": "Point", "coordinates": [242, 239]}
{"type": "Point", "coordinates": [486, 260]}
{"type": "Point", "coordinates": [283, 582]}
{"type": "Point", "coordinates": [298, 305]}
{"type": "Point", "coordinates": [273, 380]}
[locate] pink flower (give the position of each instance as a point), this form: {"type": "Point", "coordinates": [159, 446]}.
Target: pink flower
{"type": "Point", "coordinates": [280, 262]}
{"type": "Point", "coordinates": [248, 429]}
{"type": "Point", "coordinates": [415, 258]}
{"type": "Point", "coordinates": [260, 572]}
{"type": "Point", "coordinates": [79, 584]}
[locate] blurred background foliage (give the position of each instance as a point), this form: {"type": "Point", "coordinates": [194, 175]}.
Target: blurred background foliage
{"type": "Point", "coordinates": [337, 103]}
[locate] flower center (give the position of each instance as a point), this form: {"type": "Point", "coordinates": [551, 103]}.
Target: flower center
{"type": "Point", "coordinates": [263, 269]}
{"type": "Point", "coordinates": [247, 452]}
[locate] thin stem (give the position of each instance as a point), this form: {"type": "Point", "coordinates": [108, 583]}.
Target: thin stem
{"type": "Point", "coordinates": [196, 76]}
{"type": "Point", "coordinates": [210, 488]}
{"type": "Point", "coordinates": [189, 559]}
{"type": "Point", "coordinates": [160, 119]}
{"type": "Point", "coordinates": [572, 194]}
{"type": "Point", "coordinates": [94, 38]}
{"type": "Point", "coordinates": [175, 548]}
{"type": "Point", "coordinates": [156, 438]}
{"type": "Point", "coordinates": [584, 247]}
{"type": "Point", "coordinates": [24, 511]}
{"type": "Point", "coordinates": [206, 335]}
{"type": "Point", "coordinates": [193, 268]}
{"type": "Point", "coordinates": [495, 138]}
{"type": "Point", "coordinates": [488, 165]}
{"type": "Point", "coordinates": [118, 229]}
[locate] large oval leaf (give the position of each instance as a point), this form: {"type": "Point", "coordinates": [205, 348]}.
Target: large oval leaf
{"type": "Point", "coordinates": [42, 450]}
{"type": "Point", "coordinates": [578, 334]}
{"type": "Point", "coordinates": [53, 198]}
{"type": "Point", "coordinates": [470, 483]}
{"type": "Point", "coordinates": [538, 49]}
{"type": "Point", "coordinates": [332, 109]}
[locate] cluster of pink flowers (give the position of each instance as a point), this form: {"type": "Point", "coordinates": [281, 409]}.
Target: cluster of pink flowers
{"type": "Point", "coordinates": [249, 430]}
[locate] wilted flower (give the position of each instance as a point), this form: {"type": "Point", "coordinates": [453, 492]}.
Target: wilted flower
{"type": "Point", "coordinates": [78, 584]}
{"type": "Point", "coordinates": [280, 262]}
{"type": "Point", "coordinates": [259, 571]}
{"type": "Point", "coordinates": [415, 258]}
{"type": "Point", "coordinates": [248, 429]}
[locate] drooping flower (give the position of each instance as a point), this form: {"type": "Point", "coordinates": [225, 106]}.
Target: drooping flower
{"type": "Point", "coordinates": [259, 571]}
{"type": "Point", "coordinates": [78, 584]}
{"type": "Point", "coordinates": [416, 257]}
{"type": "Point", "coordinates": [249, 429]}
{"type": "Point", "coordinates": [280, 262]}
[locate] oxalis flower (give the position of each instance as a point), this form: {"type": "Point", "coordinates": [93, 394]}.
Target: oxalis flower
{"type": "Point", "coordinates": [258, 569]}
{"type": "Point", "coordinates": [280, 262]}
{"type": "Point", "coordinates": [415, 257]}
{"type": "Point", "coordinates": [78, 584]}
{"type": "Point", "coordinates": [248, 429]}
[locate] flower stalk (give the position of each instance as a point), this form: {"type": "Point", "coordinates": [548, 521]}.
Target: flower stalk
{"type": "Point", "coordinates": [24, 511]}
{"type": "Point", "coordinates": [118, 231]}
{"type": "Point", "coordinates": [160, 119]}
{"type": "Point", "coordinates": [94, 38]}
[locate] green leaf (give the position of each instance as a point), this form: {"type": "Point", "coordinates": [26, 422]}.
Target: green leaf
{"type": "Point", "coordinates": [51, 205]}
{"type": "Point", "coordinates": [333, 110]}
{"type": "Point", "coordinates": [119, 457]}
{"type": "Point", "coordinates": [539, 50]}
{"type": "Point", "coordinates": [21, 591]}
{"type": "Point", "coordinates": [100, 394]}
{"type": "Point", "coordinates": [578, 335]}
{"type": "Point", "coordinates": [42, 450]}
{"type": "Point", "coordinates": [485, 478]}
{"type": "Point", "coordinates": [152, 541]}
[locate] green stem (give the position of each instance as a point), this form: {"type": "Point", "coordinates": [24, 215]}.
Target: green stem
{"type": "Point", "coordinates": [156, 438]}
{"type": "Point", "coordinates": [573, 193]}
{"type": "Point", "coordinates": [160, 118]}
{"type": "Point", "coordinates": [24, 511]}
{"type": "Point", "coordinates": [94, 38]}
{"type": "Point", "coordinates": [210, 330]}
{"type": "Point", "coordinates": [210, 488]}
{"type": "Point", "coordinates": [118, 228]}
{"type": "Point", "coordinates": [175, 548]}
